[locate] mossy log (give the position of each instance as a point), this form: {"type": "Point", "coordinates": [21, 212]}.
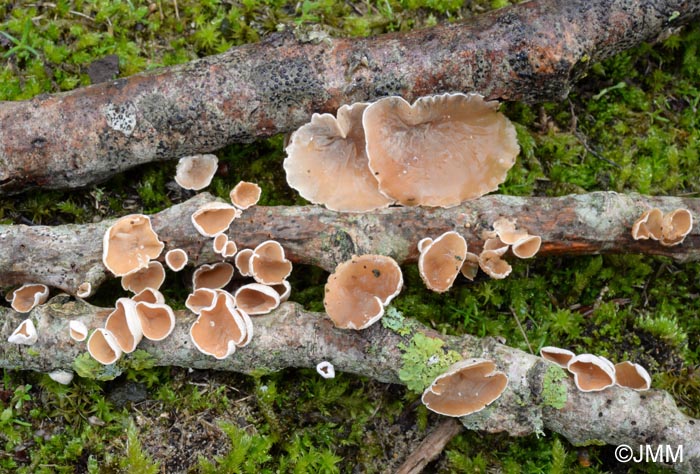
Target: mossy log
{"type": "Point", "coordinates": [66, 256]}
{"type": "Point", "coordinates": [293, 337]}
{"type": "Point", "coordinates": [530, 52]}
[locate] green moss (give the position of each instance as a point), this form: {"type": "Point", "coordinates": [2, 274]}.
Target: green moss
{"type": "Point", "coordinates": [85, 366]}
{"type": "Point", "coordinates": [554, 392]}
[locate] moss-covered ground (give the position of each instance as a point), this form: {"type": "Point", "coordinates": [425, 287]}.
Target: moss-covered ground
{"type": "Point", "coordinates": [631, 125]}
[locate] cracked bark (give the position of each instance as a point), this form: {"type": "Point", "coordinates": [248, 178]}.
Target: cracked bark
{"type": "Point", "coordinates": [65, 256]}
{"type": "Point", "coordinates": [293, 337]}
{"type": "Point", "coordinates": [530, 52]}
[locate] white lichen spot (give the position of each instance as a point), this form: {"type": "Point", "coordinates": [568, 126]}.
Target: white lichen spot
{"type": "Point", "coordinates": [121, 118]}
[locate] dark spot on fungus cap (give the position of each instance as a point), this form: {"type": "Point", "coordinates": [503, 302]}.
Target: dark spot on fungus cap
{"type": "Point", "coordinates": [376, 273]}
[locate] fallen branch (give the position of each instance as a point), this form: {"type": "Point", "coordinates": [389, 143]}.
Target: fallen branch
{"type": "Point", "coordinates": [530, 52]}
{"type": "Point", "coordinates": [66, 256]}
{"type": "Point", "coordinates": [292, 337]}
{"type": "Point", "coordinates": [431, 447]}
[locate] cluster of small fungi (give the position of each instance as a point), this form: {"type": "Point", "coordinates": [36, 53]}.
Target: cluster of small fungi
{"type": "Point", "coordinates": [669, 229]}
{"type": "Point", "coordinates": [595, 373]}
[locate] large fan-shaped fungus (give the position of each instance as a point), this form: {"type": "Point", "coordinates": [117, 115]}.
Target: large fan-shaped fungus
{"type": "Point", "coordinates": [466, 387]}
{"type": "Point", "coordinates": [327, 162]}
{"type": "Point", "coordinates": [358, 290]}
{"type": "Point", "coordinates": [441, 150]}
{"type": "Point", "coordinates": [130, 244]}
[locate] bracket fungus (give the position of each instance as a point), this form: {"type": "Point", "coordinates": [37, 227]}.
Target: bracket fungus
{"type": "Point", "coordinates": [25, 334]}
{"type": "Point", "coordinates": [78, 330]}
{"type": "Point", "coordinates": [591, 373]}
{"type": "Point", "coordinates": [196, 172]}
{"type": "Point", "coordinates": [220, 328]}
{"type": "Point", "coordinates": [359, 289]}
{"type": "Point", "coordinates": [152, 277]}
{"type": "Point", "coordinates": [327, 162]}
{"type": "Point", "coordinates": [213, 276]}
{"type": "Point", "coordinates": [130, 244]}
{"type": "Point", "coordinates": [28, 296]}
{"type": "Point", "coordinates": [441, 260]}
{"type": "Point", "coordinates": [467, 387]}
{"type": "Point", "coordinates": [213, 218]}
{"type": "Point", "coordinates": [245, 195]}
{"type": "Point", "coordinates": [256, 298]}
{"type": "Point", "coordinates": [176, 259]}
{"type": "Point", "coordinates": [268, 265]}
{"type": "Point", "coordinates": [559, 356]}
{"type": "Point", "coordinates": [103, 347]}
{"type": "Point", "coordinates": [630, 375]}
{"type": "Point", "coordinates": [440, 151]}
{"type": "Point", "coordinates": [124, 325]}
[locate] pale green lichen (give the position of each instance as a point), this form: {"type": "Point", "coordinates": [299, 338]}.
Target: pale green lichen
{"type": "Point", "coordinates": [424, 358]}
{"type": "Point", "coordinates": [394, 320]}
{"type": "Point", "coordinates": [553, 389]}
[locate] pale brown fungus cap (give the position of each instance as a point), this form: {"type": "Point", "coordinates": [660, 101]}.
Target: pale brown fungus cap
{"type": "Point", "coordinates": [470, 267]}
{"type": "Point", "coordinates": [103, 347]}
{"type": "Point", "coordinates": [152, 277]}
{"type": "Point", "coordinates": [28, 296]}
{"type": "Point", "coordinates": [359, 289]}
{"type": "Point", "coordinates": [148, 295]}
{"type": "Point", "coordinates": [213, 276]}
{"type": "Point", "coordinates": [559, 356]}
{"type": "Point", "coordinates": [123, 323]}
{"type": "Point", "coordinates": [467, 387]}
{"type": "Point", "coordinates": [245, 195]}
{"type": "Point", "coordinates": [196, 172]}
{"type": "Point", "coordinates": [327, 162]}
{"type": "Point", "coordinates": [176, 259]}
{"type": "Point", "coordinates": [675, 227]}
{"type": "Point", "coordinates": [24, 334]}
{"type": "Point", "coordinates": [220, 328]}
{"type": "Point", "coordinates": [242, 262]}
{"type": "Point", "coordinates": [591, 373]}
{"type": "Point", "coordinates": [84, 290]}
{"type": "Point", "coordinates": [648, 225]}
{"type": "Point", "coordinates": [157, 320]}
{"type": "Point", "coordinates": [284, 289]}
{"type": "Point", "coordinates": [200, 299]}
{"type": "Point", "coordinates": [130, 244]}
{"type": "Point", "coordinates": [268, 265]}
{"type": "Point", "coordinates": [527, 247]}
{"type": "Point", "coordinates": [493, 265]}
{"type": "Point", "coordinates": [634, 376]}
{"type": "Point", "coordinates": [440, 151]}
{"type": "Point", "coordinates": [441, 260]}
{"type": "Point", "coordinates": [255, 298]}
{"type": "Point", "coordinates": [213, 218]}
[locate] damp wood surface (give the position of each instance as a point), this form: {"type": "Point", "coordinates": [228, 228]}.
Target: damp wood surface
{"type": "Point", "coordinates": [528, 52]}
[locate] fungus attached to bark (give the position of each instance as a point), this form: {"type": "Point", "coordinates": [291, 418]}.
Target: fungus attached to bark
{"type": "Point", "coordinates": [470, 267]}
{"type": "Point", "coordinates": [213, 218]}
{"type": "Point", "coordinates": [220, 328]}
{"type": "Point", "coordinates": [176, 259]}
{"type": "Point", "coordinates": [245, 195]}
{"type": "Point", "coordinates": [441, 260]}
{"type": "Point", "coordinates": [359, 289]}
{"type": "Point", "coordinates": [255, 298]}
{"type": "Point", "coordinates": [492, 263]}
{"type": "Point", "coordinates": [441, 150]}
{"type": "Point", "coordinates": [200, 299]}
{"type": "Point", "coordinates": [675, 226]}
{"type": "Point", "coordinates": [152, 277]}
{"type": "Point", "coordinates": [157, 320]}
{"type": "Point", "coordinates": [123, 323]}
{"type": "Point", "coordinates": [213, 276]}
{"type": "Point", "coordinates": [327, 162]}
{"type": "Point", "coordinates": [466, 387]}
{"type": "Point", "coordinates": [84, 290]}
{"type": "Point", "coordinates": [268, 265]}
{"type": "Point", "coordinates": [25, 334]}
{"type": "Point", "coordinates": [632, 376]}
{"type": "Point", "coordinates": [219, 242]}
{"type": "Point", "coordinates": [195, 172]}
{"type": "Point", "coordinates": [148, 295]}
{"type": "Point", "coordinates": [242, 262]}
{"type": "Point", "coordinates": [527, 247]}
{"type": "Point", "coordinates": [648, 226]}
{"type": "Point", "coordinates": [28, 296]}
{"type": "Point", "coordinates": [130, 244]}
{"type": "Point", "coordinates": [103, 347]}
{"type": "Point", "coordinates": [325, 370]}
{"type": "Point", "coordinates": [78, 330]}
{"type": "Point", "coordinates": [559, 356]}
{"type": "Point", "coordinates": [284, 289]}
{"type": "Point", "coordinates": [591, 373]}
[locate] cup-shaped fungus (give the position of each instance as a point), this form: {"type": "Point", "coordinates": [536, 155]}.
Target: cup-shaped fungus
{"type": "Point", "coordinates": [284, 289]}
{"type": "Point", "coordinates": [220, 328]}
{"type": "Point", "coordinates": [242, 262]}
{"type": "Point", "coordinates": [268, 265]}
{"type": "Point", "coordinates": [176, 259]}
{"type": "Point", "coordinates": [470, 267]}
{"type": "Point", "coordinates": [527, 247]}
{"type": "Point", "coordinates": [493, 265]}
{"type": "Point", "coordinates": [199, 299]}
{"type": "Point", "coordinates": [78, 330]}
{"type": "Point", "coordinates": [157, 320]}
{"type": "Point", "coordinates": [245, 195]}
{"type": "Point", "coordinates": [327, 162]}
{"type": "Point", "coordinates": [255, 298]}
{"type": "Point", "coordinates": [219, 242]}
{"type": "Point", "coordinates": [675, 226]}
{"type": "Point", "coordinates": [24, 334]}
{"type": "Point", "coordinates": [123, 323]}
{"type": "Point", "coordinates": [103, 347]}
{"type": "Point", "coordinates": [632, 376]}
{"type": "Point", "coordinates": [150, 277]}
{"type": "Point", "coordinates": [441, 150]}
{"type": "Point", "coordinates": [195, 172]}
{"type": "Point", "coordinates": [130, 244]}
{"type": "Point", "coordinates": [28, 296]}
{"type": "Point", "coordinates": [466, 387]}
{"type": "Point", "coordinates": [591, 373]}
{"type": "Point", "coordinates": [359, 289]}
{"type": "Point", "coordinates": [148, 295]}
{"type": "Point", "coordinates": [559, 356]}
{"type": "Point", "coordinates": [213, 218]}
{"type": "Point", "coordinates": [84, 290]}
{"type": "Point", "coordinates": [440, 260]}
{"type": "Point", "coordinates": [648, 226]}
{"type": "Point", "coordinates": [325, 369]}
{"type": "Point", "coordinates": [213, 276]}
